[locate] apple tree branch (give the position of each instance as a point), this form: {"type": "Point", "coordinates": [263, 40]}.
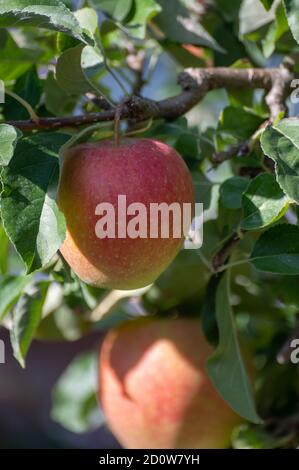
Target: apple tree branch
{"type": "Point", "coordinates": [195, 84]}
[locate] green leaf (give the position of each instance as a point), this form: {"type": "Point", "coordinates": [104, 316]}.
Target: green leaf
{"type": "Point", "coordinates": [88, 19]}
{"type": "Point", "coordinates": [141, 13]}
{"type": "Point", "coordinates": [228, 220]}
{"type": "Point", "coordinates": [253, 16]}
{"type": "Point", "coordinates": [131, 16]}
{"type": "Point", "coordinates": [4, 251]}
{"type": "Point", "coordinates": [176, 284]}
{"type": "Point", "coordinates": [231, 191]}
{"type": "Point", "coordinates": [30, 215]}
{"type": "Point", "coordinates": [15, 61]}
{"type": "Point", "coordinates": [267, 3]}
{"type": "Point", "coordinates": [226, 368]}
{"type": "Point", "coordinates": [11, 287]}
{"type": "Point", "coordinates": [208, 312]}
{"type": "Point", "coordinates": [26, 317]}
{"type": "Point", "coordinates": [117, 9]}
{"type": "Point", "coordinates": [263, 202]}
{"type": "Point", "coordinates": [187, 145]}
{"type": "Point", "coordinates": [57, 101]}
{"type": "Point", "coordinates": [287, 290]}
{"type": "Point", "coordinates": [289, 128]}
{"type": "Point", "coordinates": [275, 31]}
{"type": "Point", "coordinates": [236, 124]}
{"type": "Point", "coordinates": [292, 11]}
{"type": "Point", "coordinates": [229, 10]}
{"type": "Point", "coordinates": [74, 398]}
{"type": "Point", "coordinates": [49, 14]}
{"type": "Point", "coordinates": [64, 42]}
{"type": "Point", "coordinates": [281, 144]}
{"type": "Point", "coordinates": [71, 69]}
{"type": "Point", "coordinates": [203, 189]}
{"type": "Point", "coordinates": [28, 87]}
{"type": "Point", "coordinates": [176, 23]}
{"type": "Point", "coordinates": [277, 250]}
{"type": "Point", "coordinates": [9, 136]}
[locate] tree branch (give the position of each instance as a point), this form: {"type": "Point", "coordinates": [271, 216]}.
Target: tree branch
{"type": "Point", "coordinates": [279, 90]}
{"type": "Point", "coordinates": [99, 101]}
{"type": "Point", "coordinates": [239, 150]}
{"type": "Point", "coordinates": [223, 254]}
{"type": "Point", "coordinates": [195, 83]}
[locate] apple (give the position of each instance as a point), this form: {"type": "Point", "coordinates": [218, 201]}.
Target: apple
{"type": "Point", "coordinates": [154, 390]}
{"type": "Point", "coordinates": [145, 171]}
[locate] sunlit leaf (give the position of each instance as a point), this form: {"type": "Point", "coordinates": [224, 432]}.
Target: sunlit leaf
{"type": "Point", "coordinates": [226, 368]}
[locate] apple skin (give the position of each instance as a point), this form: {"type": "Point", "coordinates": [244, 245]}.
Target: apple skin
{"type": "Point", "coordinates": [154, 390]}
{"type": "Point", "coordinates": [144, 170]}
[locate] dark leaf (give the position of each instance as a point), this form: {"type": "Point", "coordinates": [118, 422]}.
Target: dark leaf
{"type": "Point", "coordinates": [226, 368]}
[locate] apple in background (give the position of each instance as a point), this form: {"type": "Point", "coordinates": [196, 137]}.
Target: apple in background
{"type": "Point", "coordinates": [154, 390]}
{"type": "Point", "coordinates": [145, 171]}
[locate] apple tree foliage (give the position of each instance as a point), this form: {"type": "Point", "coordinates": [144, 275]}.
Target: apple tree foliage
{"type": "Point", "coordinates": [63, 58]}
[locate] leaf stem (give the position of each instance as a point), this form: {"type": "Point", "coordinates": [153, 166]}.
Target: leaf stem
{"type": "Point", "coordinates": [232, 265]}
{"type": "Point", "coordinates": [77, 137]}
{"type": "Point", "coordinates": [205, 261]}
{"type": "Point", "coordinates": [34, 117]}
{"type": "Point", "coordinates": [142, 129]}
{"type": "Point", "coordinates": [111, 71]}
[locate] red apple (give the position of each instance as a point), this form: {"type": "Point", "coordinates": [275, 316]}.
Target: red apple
{"type": "Point", "coordinates": [142, 170]}
{"type": "Point", "coordinates": [154, 389]}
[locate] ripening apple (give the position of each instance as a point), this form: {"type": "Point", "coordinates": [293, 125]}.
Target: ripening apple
{"type": "Point", "coordinates": [142, 171]}
{"type": "Point", "coordinates": [154, 390]}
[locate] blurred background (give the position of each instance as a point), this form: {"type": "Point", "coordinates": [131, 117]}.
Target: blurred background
{"type": "Point", "coordinates": [26, 399]}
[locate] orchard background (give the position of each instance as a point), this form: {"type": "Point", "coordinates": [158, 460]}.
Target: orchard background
{"type": "Point", "coordinates": [214, 79]}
